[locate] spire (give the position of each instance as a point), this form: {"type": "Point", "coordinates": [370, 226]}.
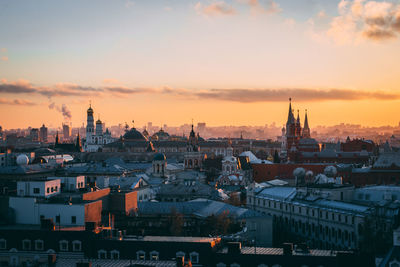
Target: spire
{"type": "Point", "coordinates": [290, 113]}
{"type": "Point", "coordinates": [298, 117]}
{"type": "Point", "coordinates": [57, 139]}
{"type": "Point", "coordinates": [306, 121]}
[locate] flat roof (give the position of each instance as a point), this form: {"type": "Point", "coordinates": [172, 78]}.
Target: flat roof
{"type": "Point", "coordinates": [172, 239]}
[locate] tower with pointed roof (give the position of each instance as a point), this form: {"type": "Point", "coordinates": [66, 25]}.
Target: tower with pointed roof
{"type": "Point", "coordinates": [306, 129]}
{"type": "Point", "coordinates": [90, 123]}
{"type": "Point", "coordinates": [193, 158]}
{"type": "Point", "coordinates": [298, 125]}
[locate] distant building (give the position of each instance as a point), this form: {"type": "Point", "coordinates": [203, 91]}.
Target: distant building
{"type": "Point", "coordinates": [43, 134]}
{"type": "Point", "coordinates": [96, 138]}
{"type": "Point", "coordinates": [34, 135]}
{"type": "Point", "coordinates": [66, 132]}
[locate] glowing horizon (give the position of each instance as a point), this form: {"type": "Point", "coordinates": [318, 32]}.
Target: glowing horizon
{"type": "Point", "coordinates": [220, 62]}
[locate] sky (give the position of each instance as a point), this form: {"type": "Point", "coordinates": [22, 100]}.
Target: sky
{"type": "Point", "coordinates": [231, 62]}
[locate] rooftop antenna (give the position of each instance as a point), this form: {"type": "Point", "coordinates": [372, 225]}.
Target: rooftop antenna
{"type": "Point", "coordinates": [90, 103]}
{"type": "Point", "coordinates": [133, 123]}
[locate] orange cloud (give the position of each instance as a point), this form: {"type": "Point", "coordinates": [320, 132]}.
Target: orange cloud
{"type": "Point", "coordinates": [217, 8]}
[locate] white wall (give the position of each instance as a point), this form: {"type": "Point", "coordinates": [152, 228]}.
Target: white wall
{"type": "Point", "coordinates": [28, 211]}
{"type": "Point", "coordinates": [71, 183]}
{"type": "Point", "coordinates": [27, 188]}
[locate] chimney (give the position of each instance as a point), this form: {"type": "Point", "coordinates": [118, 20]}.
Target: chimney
{"type": "Point", "coordinates": [234, 248]}
{"type": "Point", "coordinates": [287, 249]}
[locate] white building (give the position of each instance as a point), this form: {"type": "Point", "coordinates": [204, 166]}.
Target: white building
{"type": "Point", "coordinates": [70, 184]}
{"type": "Point", "coordinates": [96, 138]}
{"type": "Point", "coordinates": [30, 210]}
{"type": "Point", "coordinates": [44, 189]}
{"type": "Point", "coordinates": [322, 222]}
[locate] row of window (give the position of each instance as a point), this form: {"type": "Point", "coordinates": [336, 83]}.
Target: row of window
{"type": "Point", "coordinates": [304, 210]}
{"type": "Point", "coordinates": [141, 255]}
{"type": "Point", "coordinates": [39, 245]}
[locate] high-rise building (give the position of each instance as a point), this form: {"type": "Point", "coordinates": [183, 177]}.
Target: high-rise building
{"type": "Point", "coordinates": [34, 134]}
{"type": "Point", "coordinates": [66, 132]}
{"type": "Point", "coordinates": [43, 134]}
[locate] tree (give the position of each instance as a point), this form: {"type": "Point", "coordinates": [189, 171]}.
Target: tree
{"type": "Point", "coordinates": [277, 159]}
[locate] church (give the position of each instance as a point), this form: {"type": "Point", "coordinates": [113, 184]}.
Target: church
{"type": "Point", "coordinates": [96, 138]}
{"type": "Point", "coordinates": [296, 138]}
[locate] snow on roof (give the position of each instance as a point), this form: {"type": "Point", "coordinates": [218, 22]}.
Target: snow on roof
{"type": "Point", "coordinates": [341, 205]}
{"type": "Point", "coordinates": [251, 156]}
{"type": "Point", "coordinates": [278, 192]}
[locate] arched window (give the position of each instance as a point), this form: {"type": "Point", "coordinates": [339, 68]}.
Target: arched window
{"type": "Point", "coordinates": [180, 254]}
{"type": "Point", "coordinates": [26, 244]}
{"type": "Point", "coordinates": [3, 243]}
{"type": "Point", "coordinates": [102, 254]}
{"type": "Point", "coordinates": [194, 257]}
{"type": "Point", "coordinates": [63, 245]}
{"type": "Point", "coordinates": [76, 245]}
{"type": "Point", "coordinates": [141, 255]}
{"type": "Point", "coordinates": [114, 254]}
{"type": "Point", "coordinates": [154, 255]}
{"type": "Point", "coordinates": [39, 244]}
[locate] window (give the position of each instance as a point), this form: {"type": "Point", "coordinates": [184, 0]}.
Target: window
{"type": "Point", "coordinates": [52, 189]}
{"type": "Point", "coordinates": [63, 245]}
{"type": "Point", "coordinates": [26, 244]}
{"type": "Point", "coordinates": [36, 190]}
{"type": "Point", "coordinates": [56, 188]}
{"type": "Point", "coordinates": [154, 255]}
{"type": "Point", "coordinates": [141, 255]}
{"type": "Point", "coordinates": [180, 254]}
{"type": "Point", "coordinates": [194, 257]}
{"type": "Point", "coordinates": [73, 219]}
{"type": "Point", "coordinates": [39, 245]}
{"type": "Point", "coordinates": [3, 244]}
{"type": "Point", "coordinates": [114, 254]}
{"type": "Point", "coordinates": [48, 189]}
{"type": "Point", "coordinates": [76, 245]}
{"type": "Point", "coordinates": [102, 254]}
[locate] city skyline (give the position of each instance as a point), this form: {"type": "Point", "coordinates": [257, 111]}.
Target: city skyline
{"type": "Point", "coordinates": [221, 62]}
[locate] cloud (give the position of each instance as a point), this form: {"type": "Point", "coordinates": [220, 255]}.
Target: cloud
{"type": "Point", "coordinates": [245, 95]}
{"type": "Point", "coordinates": [3, 50]}
{"type": "Point", "coordinates": [262, 6]}
{"type": "Point", "coordinates": [278, 95]}
{"type": "Point", "coordinates": [63, 109]}
{"type": "Point", "coordinates": [4, 58]}
{"type": "Point", "coordinates": [216, 8]}
{"type": "Point", "coordinates": [16, 102]}
{"type": "Point", "coordinates": [368, 20]}
{"type": "Point", "coordinates": [126, 90]}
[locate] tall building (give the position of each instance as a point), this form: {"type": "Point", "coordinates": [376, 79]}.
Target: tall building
{"type": "Point", "coordinates": [34, 134]}
{"type": "Point", "coordinates": [66, 132]}
{"type": "Point", "coordinates": [96, 138]}
{"type": "Point", "coordinates": [43, 134]}
{"type": "Point", "coordinates": [296, 138]}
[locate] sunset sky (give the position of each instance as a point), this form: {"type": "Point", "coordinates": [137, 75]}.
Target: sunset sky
{"type": "Point", "coordinates": [221, 62]}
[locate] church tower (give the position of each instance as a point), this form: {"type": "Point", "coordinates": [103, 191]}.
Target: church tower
{"type": "Point", "coordinates": [298, 125]}
{"type": "Point", "coordinates": [306, 129]}
{"type": "Point", "coordinates": [89, 124]}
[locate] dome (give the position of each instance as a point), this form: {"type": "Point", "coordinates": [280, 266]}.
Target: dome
{"type": "Point", "coordinates": [22, 159]}
{"type": "Point", "coordinates": [159, 156]}
{"type": "Point", "coordinates": [98, 121]}
{"type": "Point", "coordinates": [160, 135]}
{"type": "Point", "coordinates": [134, 134]}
